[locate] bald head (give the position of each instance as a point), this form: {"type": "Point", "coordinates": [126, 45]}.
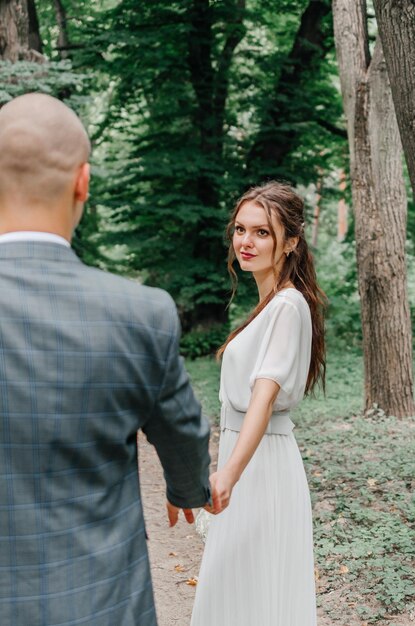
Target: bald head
{"type": "Point", "coordinates": [42, 144]}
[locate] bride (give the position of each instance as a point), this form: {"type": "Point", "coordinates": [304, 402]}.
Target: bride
{"type": "Point", "coordinates": [257, 567]}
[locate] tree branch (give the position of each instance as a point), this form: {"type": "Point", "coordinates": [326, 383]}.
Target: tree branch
{"type": "Point", "coordinates": [334, 130]}
{"type": "Point", "coordinates": [274, 142]}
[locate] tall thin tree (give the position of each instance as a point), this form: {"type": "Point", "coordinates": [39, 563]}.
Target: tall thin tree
{"type": "Point", "coordinates": [396, 24]}
{"type": "Point", "coordinates": [379, 202]}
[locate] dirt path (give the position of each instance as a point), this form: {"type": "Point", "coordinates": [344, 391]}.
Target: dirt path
{"type": "Point", "coordinates": [175, 553]}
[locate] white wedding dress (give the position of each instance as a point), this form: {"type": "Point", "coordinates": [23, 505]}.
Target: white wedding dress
{"type": "Point", "coordinates": [257, 567]}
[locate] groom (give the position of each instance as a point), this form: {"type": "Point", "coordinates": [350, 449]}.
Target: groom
{"type": "Point", "coordinates": [86, 359]}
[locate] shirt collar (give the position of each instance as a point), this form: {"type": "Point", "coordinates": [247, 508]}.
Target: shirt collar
{"type": "Point", "coordinates": [29, 235]}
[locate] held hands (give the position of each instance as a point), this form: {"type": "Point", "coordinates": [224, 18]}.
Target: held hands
{"type": "Point", "coordinates": [222, 482]}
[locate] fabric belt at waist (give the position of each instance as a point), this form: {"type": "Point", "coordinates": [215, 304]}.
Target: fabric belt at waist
{"type": "Point", "coordinates": [279, 423]}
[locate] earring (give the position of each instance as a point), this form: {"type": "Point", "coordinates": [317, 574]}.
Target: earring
{"type": "Point", "coordinates": [287, 254]}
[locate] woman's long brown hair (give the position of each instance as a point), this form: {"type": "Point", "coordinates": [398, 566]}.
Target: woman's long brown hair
{"type": "Point", "coordinates": [281, 201]}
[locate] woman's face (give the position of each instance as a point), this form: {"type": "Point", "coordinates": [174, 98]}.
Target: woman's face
{"type": "Point", "coordinates": [253, 243]}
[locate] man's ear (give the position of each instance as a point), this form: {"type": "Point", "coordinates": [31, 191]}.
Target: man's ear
{"type": "Point", "coordinates": [82, 183]}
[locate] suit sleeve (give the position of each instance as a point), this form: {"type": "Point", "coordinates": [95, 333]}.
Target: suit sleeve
{"type": "Point", "coordinates": [180, 433]}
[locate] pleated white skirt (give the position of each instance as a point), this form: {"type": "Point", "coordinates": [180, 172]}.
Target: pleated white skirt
{"type": "Point", "coordinates": [258, 567]}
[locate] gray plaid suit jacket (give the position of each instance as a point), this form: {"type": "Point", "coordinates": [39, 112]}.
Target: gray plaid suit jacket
{"type": "Point", "coordinates": [86, 359]}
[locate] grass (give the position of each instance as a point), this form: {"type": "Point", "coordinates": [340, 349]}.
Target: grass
{"type": "Point", "coordinates": [361, 472]}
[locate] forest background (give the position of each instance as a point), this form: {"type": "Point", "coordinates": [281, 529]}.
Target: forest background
{"type": "Point", "coordinates": [188, 103]}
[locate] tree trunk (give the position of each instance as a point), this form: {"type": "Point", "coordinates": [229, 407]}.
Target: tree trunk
{"type": "Point", "coordinates": [396, 24]}
{"type": "Point", "coordinates": [235, 32]}
{"type": "Point", "coordinates": [211, 86]}
{"type": "Point", "coordinates": [316, 215]}
{"type": "Point", "coordinates": [201, 71]}
{"type": "Point", "coordinates": [61, 20]}
{"type": "Point", "coordinates": [14, 30]}
{"type": "Point", "coordinates": [342, 211]}
{"type": "Point", "coordinates": [379, 203]}
{"type": "Point", "coordinates": [35, 40]}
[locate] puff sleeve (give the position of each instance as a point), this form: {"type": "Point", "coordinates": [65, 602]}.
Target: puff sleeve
{"type": "Point", "coordinates": [280, 356]}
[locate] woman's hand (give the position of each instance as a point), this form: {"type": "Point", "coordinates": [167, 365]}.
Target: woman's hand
{"type": "Point", "coordinates": [222, 482]}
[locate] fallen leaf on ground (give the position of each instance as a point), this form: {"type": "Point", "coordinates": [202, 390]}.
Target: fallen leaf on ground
{"type": "Point", "coordinates": [191, 581]}
{"type": "Point", "coordinates": [179, 568]}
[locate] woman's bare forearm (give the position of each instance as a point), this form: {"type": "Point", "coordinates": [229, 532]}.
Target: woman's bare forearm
{"type": "Point", "coordinates": [254, 426]}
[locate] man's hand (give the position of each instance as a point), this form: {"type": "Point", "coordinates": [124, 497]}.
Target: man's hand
{"type": "Point", "coordinates": [173, 514]}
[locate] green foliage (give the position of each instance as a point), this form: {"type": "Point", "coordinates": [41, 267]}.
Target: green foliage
{"type": "Point", "coordinates": [197, 343]}
{"type": "Point", "coordinates": [338, 278]}
{"type": "Point", "coordinates": [361, 472]}
{"type": "Point", "coordinates": [361, 478]}
{"type": "Point", "coordinates": [172, 227]}
{"type": "Point", "coordinates": [186, 95]}
{"type": "Point", "coordinates": [178, 94]}
{"type": "Point", "coordinates": [336, 263]}
{"type": "Point", "coordinates": [53, 78]}
{"type": "Point", "coordinates": [83, 23]}
{"type": "Point", "coordinates": [204, 374]}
